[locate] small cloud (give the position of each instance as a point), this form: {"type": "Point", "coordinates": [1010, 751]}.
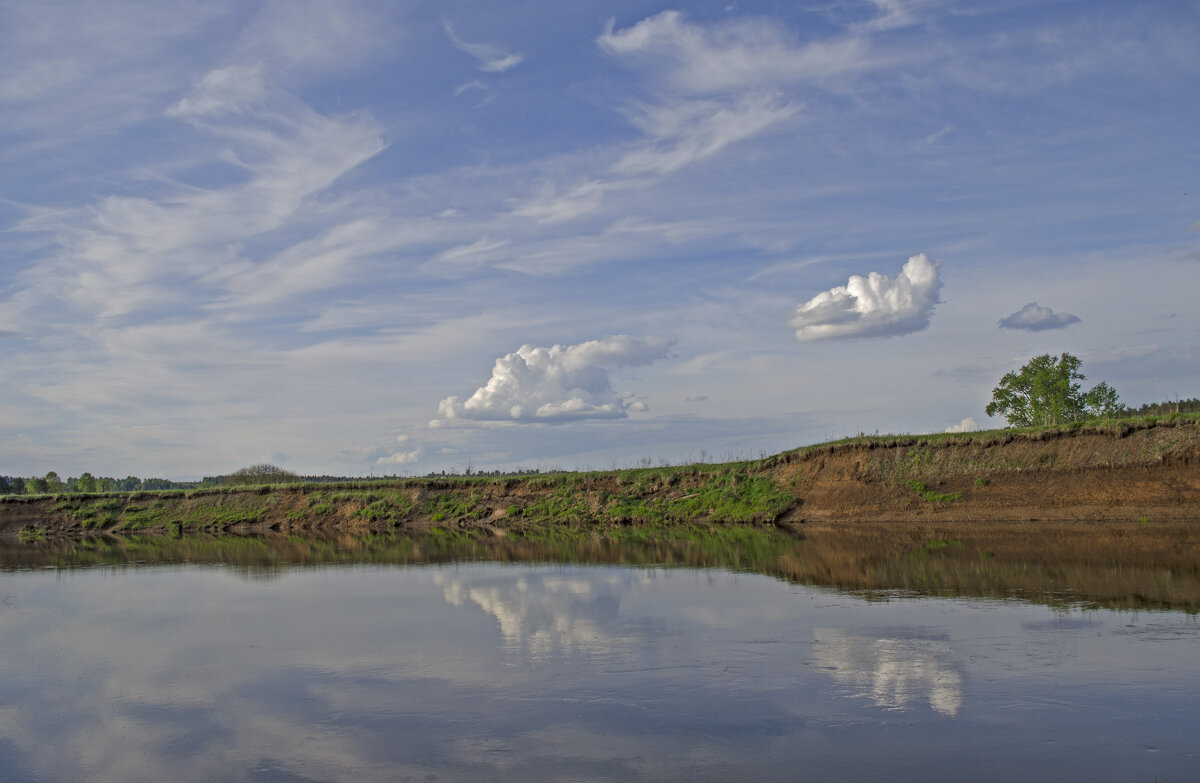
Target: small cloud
{"type": "Point", "coordinates": [551, 207]}
{"type": "Point", "coordinates": [556, 384]}
{"type": "Point", "coordinates": [695, 398]}
{"type": "Point", "coordinates": [735, 55]}
{"type": "Point", "coordinates": [221, 91]}
{"type": "Point", "coordinates": [872, 306]}
{"type": "Point", "coordinates": [477, 253]}
{"type": "Point", "coordinates": [492, 58]}
{"type": "Point", "coordinates": [402, 438]}
{"type": "Point", "coordinates": [474, 84]}
{"type": "Point", "coordinates": [1035, 318]}
{"type": "Point", "coordinates": [400, 458]}
{"type": "Point", "coordinates": [1194, 227]}
{"type": "Point", "coordinates": [966, 425]}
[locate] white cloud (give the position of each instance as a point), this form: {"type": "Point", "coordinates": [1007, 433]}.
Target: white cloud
{"type": "Point", "coordinates": [551, 207]}
{"type": "Point", "coordinates": [560, 383]}
{"type": "Point", "coordinates": [221, 90]}
{"type": "Point", "coordinates": [123, 254]}
{"type": "Point", "coordinates": [492, 58]}
{"type": "Point", "coordinates": [1035, 318]}
{"type": "Point", "coordinates": [400, 458]}
{"type": "Point", "coordinates": [684, 132]}
{"type": "Point", "coordinates": [966, 425]}
{"type": "Point", "coordinates": [872, 306]}
{"type": "Point", "coordinates": [739, 55]}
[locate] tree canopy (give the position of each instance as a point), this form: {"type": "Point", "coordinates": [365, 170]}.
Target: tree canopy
{"type": "Point", "coordinates": [260, 474]}
{"type": "Point", "coordinates": [1047, 390]}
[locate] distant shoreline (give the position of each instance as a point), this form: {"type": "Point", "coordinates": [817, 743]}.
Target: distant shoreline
{"type": "Point", "coordinates": [1126, 471]}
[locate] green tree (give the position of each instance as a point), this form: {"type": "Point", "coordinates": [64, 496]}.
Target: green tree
{"type": "Point", "coordinates": [260, 474]}
{"type": "Point", "coordinates": [1047, 390]}
{"type": "Point", "coordinates": [53, 483]}
{"type": "Point", "coordinates": [1102, 401]}
{"type": "Point", "coordinates": [35, 486]}
{"type": "Point", "coordinates": [86, 483]}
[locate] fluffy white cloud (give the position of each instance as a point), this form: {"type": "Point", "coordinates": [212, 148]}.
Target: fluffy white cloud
{"type": "Point", "coordinates": [966, 425]}
{"type": "Point", "coordinates": [560, 383]}
{"type": "Point", "coordinates": [872, 306]}
{"type": "Point", "coordinates": [1035, 318]}
{"type": "Point", "coordinates": [400, 458]}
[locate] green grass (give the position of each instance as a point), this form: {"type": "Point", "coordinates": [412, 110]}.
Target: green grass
{"type": "Point", "coordinates": [929, 495]}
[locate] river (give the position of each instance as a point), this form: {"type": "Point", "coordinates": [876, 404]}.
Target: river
{"type": "Point", "coordinates": [476, 671]}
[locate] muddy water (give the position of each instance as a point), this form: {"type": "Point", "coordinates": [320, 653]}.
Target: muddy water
{"type": "Point", "coordinates": [482, 671]}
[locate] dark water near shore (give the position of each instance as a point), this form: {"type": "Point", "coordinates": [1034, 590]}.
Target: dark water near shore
{"type": "Point", "coordinates": [536, 671]}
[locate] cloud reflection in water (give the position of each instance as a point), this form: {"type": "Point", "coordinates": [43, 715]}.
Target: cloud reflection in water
{"type": "Point", "coordinates": [893, 668]}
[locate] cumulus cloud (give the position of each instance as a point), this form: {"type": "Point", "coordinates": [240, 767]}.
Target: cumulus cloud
{"type": "Point", "coordinates": [966, 425]}
{"type": "Point", "coordinates": [400, 458]}
{"type": "Point", "coordinates": [560, 383]}
{"type": "Point", "coordinates": [492, 58]}
{"type": "Point", "coordinates": [1035, 318]}
{"type": "Point", "coordinates": [872, 306]}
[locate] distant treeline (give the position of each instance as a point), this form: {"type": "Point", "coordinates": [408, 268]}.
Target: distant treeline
{"type": "Point", "coordinates": [52, 484]}
{"type": "Point", "coordinates": [1163, 408]}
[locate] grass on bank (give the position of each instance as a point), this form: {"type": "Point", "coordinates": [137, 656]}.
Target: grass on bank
{"type": "Point", "coordinates": [745, 492]}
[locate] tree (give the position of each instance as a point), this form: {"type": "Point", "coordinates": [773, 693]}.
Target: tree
{"type": "Point", "coordinates": [54, 484]}
{"type": "Point", "coordinates": [1102, 401]}
{"type": "Point", "coordinates": [1047, 391]}
{"type": "Point", "coordinates": [260, 474]}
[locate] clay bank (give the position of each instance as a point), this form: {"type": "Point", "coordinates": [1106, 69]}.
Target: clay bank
{"type": "Point", "coordinates": [1127, 471]}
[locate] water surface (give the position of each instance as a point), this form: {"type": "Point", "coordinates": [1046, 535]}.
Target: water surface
{"type": "Point", "coordinates": [486, 671]}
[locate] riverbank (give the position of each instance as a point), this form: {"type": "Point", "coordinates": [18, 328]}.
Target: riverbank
{"type": "Point", "coordinates": [1146, 470]}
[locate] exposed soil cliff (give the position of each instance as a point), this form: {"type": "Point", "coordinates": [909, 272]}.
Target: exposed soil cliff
{"type": "Point", "coordinates": [1146, 470]}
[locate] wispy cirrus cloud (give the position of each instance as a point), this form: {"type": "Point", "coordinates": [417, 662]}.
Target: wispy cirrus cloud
{"type": "Point", "coordinates": [122, 254]}
{"type": "Point", "coordinates": [730, 57]}
{"type": "Point", "coordinates": [491, 58]}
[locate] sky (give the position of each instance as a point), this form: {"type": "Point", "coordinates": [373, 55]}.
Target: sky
{"type": "Point", "coordinates": [376, 238]}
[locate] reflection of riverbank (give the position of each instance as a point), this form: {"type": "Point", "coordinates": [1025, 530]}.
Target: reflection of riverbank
{"type": "Point", "coordinates": [894, 668]}
{"type": "Point", "coordinates": [1129, 565]}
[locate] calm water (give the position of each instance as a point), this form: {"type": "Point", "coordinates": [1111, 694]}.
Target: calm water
{"type": "Point", "coordinates": [484, 671]}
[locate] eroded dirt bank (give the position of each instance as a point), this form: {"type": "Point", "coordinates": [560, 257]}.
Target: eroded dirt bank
{"type": "Point", "coordinates": [1146, 471]}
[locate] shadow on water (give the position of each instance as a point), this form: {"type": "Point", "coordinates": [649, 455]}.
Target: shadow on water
{"type": "Point", "coordinates": [1111, 565]}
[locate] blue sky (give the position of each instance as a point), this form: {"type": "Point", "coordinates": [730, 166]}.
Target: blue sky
{"type": "Point", "coordinates": [398, 237]}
